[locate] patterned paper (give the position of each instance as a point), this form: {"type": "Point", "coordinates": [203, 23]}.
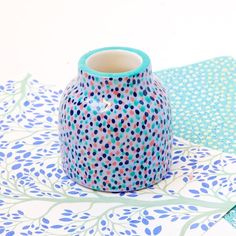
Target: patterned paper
{"type": "Point", "coordinates": [203, 99]}
{"type": "Point", "coordinates": [37, 197]}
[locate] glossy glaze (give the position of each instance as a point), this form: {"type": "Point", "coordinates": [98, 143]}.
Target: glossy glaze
{"type": "Point", "coordinates": [115, 128]}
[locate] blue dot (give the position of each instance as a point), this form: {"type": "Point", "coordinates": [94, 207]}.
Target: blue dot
{"type": "Point", "coordinates": [49, 119]}
{"type": "Point", "coordinates": [10, 233]}
{"type": "Point", "coordinates": [26, 103]}
{"type": "Point", "coordinates": [103, 222]}
{"type": "Point", "coordinates": [16, 166]}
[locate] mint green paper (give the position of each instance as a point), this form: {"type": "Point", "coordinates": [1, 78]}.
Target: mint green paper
{"type": "Point", "coordinates": [203, 99]}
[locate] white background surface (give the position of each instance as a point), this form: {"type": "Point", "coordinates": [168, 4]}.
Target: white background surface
{"type": "Point", "coordinates": [46, 38]}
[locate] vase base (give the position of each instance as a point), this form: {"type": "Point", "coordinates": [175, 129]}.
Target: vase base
{"type": "Point", "coordinates": [107, 190]}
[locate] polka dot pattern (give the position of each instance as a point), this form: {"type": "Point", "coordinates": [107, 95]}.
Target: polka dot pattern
{"type": "Point", "coordinates": [115, 133]}
{"type": "Point", "coordinates": [203, 101]}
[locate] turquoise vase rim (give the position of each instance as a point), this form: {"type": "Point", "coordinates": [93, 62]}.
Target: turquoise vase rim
{"type": "Point", "coordinates": [145, 62]}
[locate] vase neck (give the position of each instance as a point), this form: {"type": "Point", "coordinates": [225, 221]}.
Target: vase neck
{"type": "Point", "coordinates": [91, 83]}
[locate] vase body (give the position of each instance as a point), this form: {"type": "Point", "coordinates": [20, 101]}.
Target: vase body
{"type": "Point", "coordinates": [115, 128]}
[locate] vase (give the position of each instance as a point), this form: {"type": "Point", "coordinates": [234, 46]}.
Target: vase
{"type": "Point", "coordinates": [115, 122]}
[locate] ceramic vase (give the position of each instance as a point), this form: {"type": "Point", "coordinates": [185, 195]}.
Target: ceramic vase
{"type": "Point", "coordinates": [115, 122]}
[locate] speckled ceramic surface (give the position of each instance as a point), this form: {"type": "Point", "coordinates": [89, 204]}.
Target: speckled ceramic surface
{"type": "Point", "coordinates": [115, 128]}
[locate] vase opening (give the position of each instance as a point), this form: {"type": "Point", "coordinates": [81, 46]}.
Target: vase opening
{"type": "Point", "coordinates": [114, 61]}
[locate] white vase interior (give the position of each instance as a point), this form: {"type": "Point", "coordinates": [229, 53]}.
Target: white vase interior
{"type": "Point", "coordinates": [114, 61]}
